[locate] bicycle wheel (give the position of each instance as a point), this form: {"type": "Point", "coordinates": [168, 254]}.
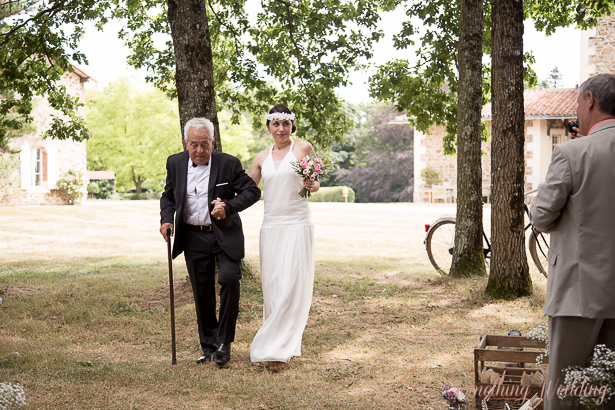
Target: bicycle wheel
{"type": "Point", "coordinates": [439, 243]}
{"type": "Point", "coordinates": [539, 250]}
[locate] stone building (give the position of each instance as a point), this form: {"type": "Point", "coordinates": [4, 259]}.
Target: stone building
{"type": "Point", "coordinates": [598, 48]}
{"type": "Point", "coordinates": [546, 113]}
{"type": "Point", "coordinates": [43, 161]}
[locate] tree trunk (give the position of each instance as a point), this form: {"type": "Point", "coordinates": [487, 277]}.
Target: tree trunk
{"type": "Point", "coordinates": [194, 71]}
{"type": "Point", "coordinates": [509, 274]}
{"type": "Point", "coordinates": [138, 181]}
{"type": "Point", "coordinates": [468, 256]}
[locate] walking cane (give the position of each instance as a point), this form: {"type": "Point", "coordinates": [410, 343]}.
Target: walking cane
{"type": "Point", "coordinates": [174, 359]}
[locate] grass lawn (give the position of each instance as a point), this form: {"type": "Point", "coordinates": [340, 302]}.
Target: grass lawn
{"type": "Point", "coordinates": [85, 318]}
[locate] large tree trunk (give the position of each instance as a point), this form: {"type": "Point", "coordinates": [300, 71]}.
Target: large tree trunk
{"type": "Point", "coordinates": [194, 72]}
{"type": "Point", "coordinates": [138, 182]}
{"type": "Point", "coordinates": [468, 256]}
{"type": "Point", "coordinates": [509, 274]}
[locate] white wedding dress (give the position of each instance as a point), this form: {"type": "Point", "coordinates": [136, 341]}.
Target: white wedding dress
{"type": "Point", "coordinates": [287, 263]}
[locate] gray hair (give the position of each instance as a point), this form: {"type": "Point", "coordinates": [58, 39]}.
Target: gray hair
{"type": "Point", "coordinates": [197, 124]}
{"type": "Point", "coordinates": [602, 86]}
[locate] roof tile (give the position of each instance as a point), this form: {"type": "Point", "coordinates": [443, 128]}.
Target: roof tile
{"type": "Point", "coordinates": [545, 102]}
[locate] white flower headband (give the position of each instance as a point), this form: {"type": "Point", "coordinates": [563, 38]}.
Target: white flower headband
{"type": "Point", "coordinates": [279, 116]}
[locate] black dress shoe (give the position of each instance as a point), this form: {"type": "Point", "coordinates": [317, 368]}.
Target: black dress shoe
{"type": "Point", "coordinates": [207, 357]}
{"type": "Point", "coordinates": [223, 354]}
{"type": "Point", "coordinates": [208, 353]}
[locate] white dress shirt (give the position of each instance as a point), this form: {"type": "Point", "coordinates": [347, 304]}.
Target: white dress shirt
{"type": "Point", "coordinates": [196, 207]}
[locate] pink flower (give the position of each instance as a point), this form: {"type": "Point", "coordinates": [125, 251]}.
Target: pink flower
{"type": "Point", "coordinates": [304, 164]}
{"type": "Point", "coordinates": [306, 171]}
{"type": "Point", "coordinates": [313, 177]}
{"type": "Point", "coordinates": [317, 168]}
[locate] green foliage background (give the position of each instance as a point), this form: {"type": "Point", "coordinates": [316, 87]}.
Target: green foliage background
{"type": "Point", "coordinates": [134, 131]}
{"type": "Point", "coordinates": [332, 194]}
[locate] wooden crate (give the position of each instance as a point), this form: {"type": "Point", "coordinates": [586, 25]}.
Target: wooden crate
{"type": "Point", "coordinates": [509, 356]}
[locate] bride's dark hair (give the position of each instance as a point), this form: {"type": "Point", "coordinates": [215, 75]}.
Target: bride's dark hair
{"type": "Point", "coordinates": [284, 109]}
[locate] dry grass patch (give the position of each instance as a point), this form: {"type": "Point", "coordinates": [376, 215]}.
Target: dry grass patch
{"type": "Point", "coordinates": [86, 308]}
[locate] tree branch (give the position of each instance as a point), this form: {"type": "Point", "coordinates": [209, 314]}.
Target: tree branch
{"type": "Point", "coordinates": [56, 8]}
{"type": "Point", "coordinates": [289, 17]}
{"type": "Point", "coordinates": [229, 28]}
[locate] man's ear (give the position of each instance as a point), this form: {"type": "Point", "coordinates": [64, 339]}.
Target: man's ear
{"type": "Point", "coordinates": [184, 144]}
{"type": "Point", "coordinates": [591, 103]}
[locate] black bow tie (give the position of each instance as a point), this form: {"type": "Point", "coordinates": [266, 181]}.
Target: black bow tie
{"type": "Point", "coordinates": [195, 165]}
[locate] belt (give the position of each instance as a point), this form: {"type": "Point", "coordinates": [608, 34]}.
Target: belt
{"type": "Point", "coordinates": [203, 228]}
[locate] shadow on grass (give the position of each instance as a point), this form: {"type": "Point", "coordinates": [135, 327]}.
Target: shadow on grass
{"type": "Point", "coordinates": [379, 335]}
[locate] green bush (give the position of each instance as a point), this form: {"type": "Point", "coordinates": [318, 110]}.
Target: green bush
{"type": "Point", "coordinates": [93, 188]}
{"type": "Point", "coordinates": [107, 188]}
{"type": "Point", "coordinates": [141, 196]}
{"type": "Point", "coordinates": [331, 194]}
{"type": "Point", "coordinates": [430, 176]}
{"type": "Point", "coordinates": [133, 196]}
{"type": "Point", "coordinates": [69, 186]}
{"type": "Point", "coordinates": [10, 185]}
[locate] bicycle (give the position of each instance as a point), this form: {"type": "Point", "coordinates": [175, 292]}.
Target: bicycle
{"type": "Point", "coordinates": [440, 241]}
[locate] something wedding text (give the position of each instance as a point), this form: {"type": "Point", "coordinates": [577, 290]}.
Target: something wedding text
{"type": "Point", "coordinates": [549, 390]}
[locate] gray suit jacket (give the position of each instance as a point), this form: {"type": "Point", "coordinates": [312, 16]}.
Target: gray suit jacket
{"type": "Point", "coordinates": [576, 205]}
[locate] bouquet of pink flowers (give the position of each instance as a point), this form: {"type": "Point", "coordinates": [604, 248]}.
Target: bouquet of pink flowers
{"type": "Point", "coordinates": [455, 397]}
{"type": "Point", "coordinates": [310, 167]}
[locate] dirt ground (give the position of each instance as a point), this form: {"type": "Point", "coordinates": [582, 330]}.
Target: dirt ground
{"type": "Point", "coordinates": [84, 322]}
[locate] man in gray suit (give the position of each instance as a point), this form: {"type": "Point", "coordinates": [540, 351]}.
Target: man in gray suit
{"type": "Point", "coordinates": [576, 205]}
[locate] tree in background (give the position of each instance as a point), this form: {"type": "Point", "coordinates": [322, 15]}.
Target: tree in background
{"type": "Point", "coordinates": [35, 40]}
{"type": "Point", "coordinates": [431, 93]}
{"type": "Point", "coordinates": [509, 275]}
{"type": "Point", "coordinates": [237, 138]}
{"type": "Point", "coordinates": [382, 167]}
{"type": "Point", "coordinates": [206, 53]}
{"type": "Point", "coordinates": [356, 143]}
{"type": "Point", "coordinates": [133, 132]}
{"type": "Point", "coordinates": [11, 123]}
{"type": "Point", "coordinates": [427, 90]}
{"type": "Point", "coordinates": [552, 81]}
{"type": "Point", "coordinates": [308, 48]}
{"type": "Point", "coordinates": [468, 255]}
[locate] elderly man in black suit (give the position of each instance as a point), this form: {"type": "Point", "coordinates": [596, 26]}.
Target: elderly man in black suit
{"type": "Point", "coordinates": [204, 193]}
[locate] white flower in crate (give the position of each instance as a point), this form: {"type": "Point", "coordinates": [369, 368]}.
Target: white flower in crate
{"type": "Point", "coordinates": [11, 396]}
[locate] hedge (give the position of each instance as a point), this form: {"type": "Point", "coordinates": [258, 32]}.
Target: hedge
{"type": "Point", "coordinates": [331, 194]}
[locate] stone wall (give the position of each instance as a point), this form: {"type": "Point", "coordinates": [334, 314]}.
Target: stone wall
{"type": "Point", "coordinates": [59, 156]}
{"type": "Point", "coordinates": [432, 156]}
{"type": "Point", "coordinates": [598, 48]}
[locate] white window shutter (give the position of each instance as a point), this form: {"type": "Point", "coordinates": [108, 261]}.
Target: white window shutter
{"type": "Point", "coordinates": [25, 157]}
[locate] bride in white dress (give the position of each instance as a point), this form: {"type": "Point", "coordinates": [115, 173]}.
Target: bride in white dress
{"type": "Point", "coordinates": [286, 244]}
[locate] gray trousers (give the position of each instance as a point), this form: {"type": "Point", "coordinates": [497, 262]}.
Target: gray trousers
{"type": "Point", "coordinates": [572, 341]}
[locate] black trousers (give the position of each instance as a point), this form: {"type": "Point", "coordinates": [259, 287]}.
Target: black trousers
{"type": "Point", "coordinates": [202, 252]}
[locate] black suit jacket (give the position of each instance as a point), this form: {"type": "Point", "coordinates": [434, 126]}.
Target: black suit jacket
{"type": "Point", "coordinates": [227, 181]}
